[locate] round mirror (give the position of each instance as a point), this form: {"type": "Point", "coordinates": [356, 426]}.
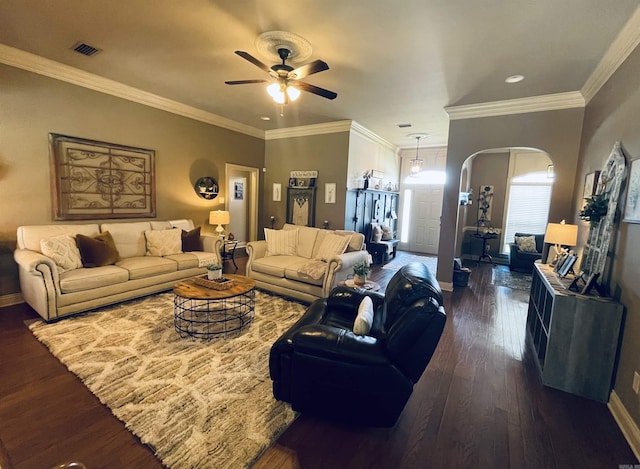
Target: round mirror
{"type": "Point", "coordinates": [206, 187]}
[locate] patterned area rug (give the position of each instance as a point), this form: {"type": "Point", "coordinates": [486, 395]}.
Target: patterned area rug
{"type": "Point", "coordinates": [503, 277]}
{"type": "Point", "coordinates": [197, 404]}
{"type": "Point", "coordinates": [406, 258]}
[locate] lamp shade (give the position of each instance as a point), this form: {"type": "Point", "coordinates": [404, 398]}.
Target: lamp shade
{"type": "Point", "coordinates": [561, 234]}
{"type": "Point", "coordinates": [219, 217]}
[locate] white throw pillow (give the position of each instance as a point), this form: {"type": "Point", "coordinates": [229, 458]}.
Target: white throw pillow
{"type": "Point", "coordinates": [387, 234]}
{"type": "Point", "coordinates": [281, 242]}
{"type": "Point", "coordinates": [364, 319]}
{"type": "Point", "coordinates": [332, 245]}
{"type": "Point", "coordinates": [526, 243]}
{"type": "Point", "coordinates": [63, 251]}
{"type": "Point", "coordinates": [163, 242]}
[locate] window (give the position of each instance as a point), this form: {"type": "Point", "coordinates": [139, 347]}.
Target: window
{"type": "Point", "coordinates": [528, 202]}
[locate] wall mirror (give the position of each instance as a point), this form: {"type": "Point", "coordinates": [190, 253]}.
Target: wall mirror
{"type": "Point", "coordinates": [206, 187]}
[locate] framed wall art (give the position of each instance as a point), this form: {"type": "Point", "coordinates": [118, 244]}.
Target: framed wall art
{"type": "Point", "coordinates": [590, 184]}
{"type": "Point", "coordinates": [100, 180]}
{"type": "Point", "coordinates": [301, 205]}
{"type": "Point", "coordinates": [330, 193]}
{"type": "Point", "coordinates": [632, 207]}
{"type": "Point", "coordinates": [238, 191]}
{"type": "Point", "coordinates": [277, 192]}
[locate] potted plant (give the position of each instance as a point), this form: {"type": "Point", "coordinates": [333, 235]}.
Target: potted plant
{"type": "Point", "coordinates": [595, 208]}
{"type": "Point", "coordinates": [360, 272]}
{"type": "Point", "coordinates": [214, 271]}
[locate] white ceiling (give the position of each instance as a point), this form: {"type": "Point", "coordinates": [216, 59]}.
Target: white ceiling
{"type": "Point", "coordinates": [390, 61]}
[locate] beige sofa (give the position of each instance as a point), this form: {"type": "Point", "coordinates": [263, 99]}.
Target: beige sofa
{"type": "Point", "coordinates": [55, 293]}
{"type": "Point", "coordinates": [300, 274]}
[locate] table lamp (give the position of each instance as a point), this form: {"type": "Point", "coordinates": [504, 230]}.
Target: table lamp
{"type": "Point", "coordinates": [219, 217]}
{"type": "Point", "coordinates": [561, 234]}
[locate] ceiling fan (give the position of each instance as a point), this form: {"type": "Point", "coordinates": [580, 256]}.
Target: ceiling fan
{"type": "Point", "coordinates": [288, 84]}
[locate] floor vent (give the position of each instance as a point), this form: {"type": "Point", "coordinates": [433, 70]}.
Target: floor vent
{"type": "Point", "coordinates": [85, 49]}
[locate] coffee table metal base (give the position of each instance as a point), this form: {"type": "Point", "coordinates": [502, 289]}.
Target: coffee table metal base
{"type": "Point", "coordinates": [210, 318]}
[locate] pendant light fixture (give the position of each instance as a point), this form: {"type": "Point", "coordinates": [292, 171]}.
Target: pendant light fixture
{"type": "Point", "coordinates": [416, 163]}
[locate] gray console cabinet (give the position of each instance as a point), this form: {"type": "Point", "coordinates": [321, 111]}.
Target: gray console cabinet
{"type": "Point", "coordinates": [575, 337]}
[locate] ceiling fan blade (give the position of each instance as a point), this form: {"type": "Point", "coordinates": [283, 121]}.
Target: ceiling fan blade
{"type": "Point", "coordinates": [253, 60]}
{"type": "Point", "coordinates": [244, 82]}
{"type": "Point", "coordinates": [308, 69]}
{"type": "Point", "coordinates": [315, 90]}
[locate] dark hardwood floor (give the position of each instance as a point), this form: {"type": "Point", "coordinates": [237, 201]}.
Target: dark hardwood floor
{"type": "Point", "coordinates": [479, 404]}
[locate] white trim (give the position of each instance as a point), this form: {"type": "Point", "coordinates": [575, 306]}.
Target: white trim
{"type": "Point", "coordinates": [306, 130]}
{"type": "Point", "coordinates": [445, 286]}
{"type": "Point", "coordinates": [50, 68]}
{"type": "Point", "coordinates": [548, 102]}
{"type": "Point", "coordinates": [617, 53]}
{"type": "Point", "coordinates": [366, 133]}
{"type": "Point", "coordinates": [11, 299]}
{"type": "Point", "coordinates": [625, 422]}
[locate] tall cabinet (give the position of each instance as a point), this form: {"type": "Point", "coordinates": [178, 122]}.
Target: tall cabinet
{"type": "Point", "coordinates": [575, 337]}
{"type": "Point", "coordinates": [366, 206]}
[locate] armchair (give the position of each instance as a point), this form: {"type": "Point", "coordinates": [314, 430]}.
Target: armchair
{"type": "Point", "coordinates": [522, 260]}
{"type": "Point", "coordinates": [323, 368]}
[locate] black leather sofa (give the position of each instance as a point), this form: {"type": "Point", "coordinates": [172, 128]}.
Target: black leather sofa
{"type": "Point", "coordinates": [523, 261]}
{"type": "Point", "coordinates": [322, 368]}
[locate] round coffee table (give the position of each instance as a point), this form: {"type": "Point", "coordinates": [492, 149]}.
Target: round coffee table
{"type": "Point", "coordinates": [205, 313]}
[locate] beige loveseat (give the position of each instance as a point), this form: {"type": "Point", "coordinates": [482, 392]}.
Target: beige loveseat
{"type": "Point", "coordinates": [55, 292]}
{"type": "Point", "coordinates": [301, 270]}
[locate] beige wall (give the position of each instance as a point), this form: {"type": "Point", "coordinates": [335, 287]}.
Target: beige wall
{"type": "Point", "coordinates": [613, 115]}
{"type": "Point", "coordinates": [366, 154]}
{"type": "Point", "coordinates": [32, 106]}
{"type": "Point", "coordinates": [555, 132]}
{"type": "Point", "coordinates": [327, 154]}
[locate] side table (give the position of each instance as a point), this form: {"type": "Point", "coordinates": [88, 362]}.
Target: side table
{"type": "Point", "coordinates": [484, 237]}
{"type": "Point", "coordinates": [228, 252]}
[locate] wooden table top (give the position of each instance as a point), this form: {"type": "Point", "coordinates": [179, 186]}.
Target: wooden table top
{"type": "Point", "coordinates": [189, 289]}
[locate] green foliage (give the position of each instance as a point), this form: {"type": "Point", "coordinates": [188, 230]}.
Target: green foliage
{"type": "Point", "coordinates": [595, 208]}
{"type": "Point", "coordinates": [361, 269]}
{"type": "Point", "coordinates": [214, 267]}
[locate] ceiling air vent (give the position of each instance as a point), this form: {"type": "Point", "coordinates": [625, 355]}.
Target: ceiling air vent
{"type": "Point", "coordinates": [404, 125]}
{"type": "Point", "coordinates": [85, 49]}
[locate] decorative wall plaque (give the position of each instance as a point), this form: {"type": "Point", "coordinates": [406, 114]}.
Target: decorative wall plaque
{"type": "Point", "coordinates": [99, 180]}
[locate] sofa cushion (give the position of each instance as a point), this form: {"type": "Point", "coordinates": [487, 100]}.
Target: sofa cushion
{"type": "Point", "coordinates": [147, 266]}
{"type": "Point", "coordinates": [29, 237]}
{"type": "Point", "coordinates": [356, 243]}
{"type": "Point", "coordinates": [129, 237]}
{"type": "Point", "coordinates": [63, 251]}
{"type": "Point", "coordinates": [160, 225]}
{"type": "Point", "coordinates": [307, 239]}
{"type": "Point", "coordinates": [88, 279]}
{"type": "Point", "coordinates": [276, 265]}
{"type": "Point", "coordinates": [186, 260]}
{"type": "Point", "coordinates": [98, 250]}
{"type": "Point", "coordinates": [163, 242]}
{"type": "Point", "coordinates": [281, 242]}
{"type": "Point", "coordinates": [191, 240]}
{"type": "Point", "coordinates": [364, 319]}
{"type": "Point", "coordinates": [526, 243]}
{"type": "Point", "coordinates": [333, 244]}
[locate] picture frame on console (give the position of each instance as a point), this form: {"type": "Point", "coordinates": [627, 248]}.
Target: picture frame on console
{"type": "Point", "coordinates": [567, 265]}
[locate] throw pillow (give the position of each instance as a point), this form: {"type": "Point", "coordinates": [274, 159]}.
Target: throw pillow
{"type": "Point", "coordinates": [387, 234]}
{"type": "Point", "coordinates": [364, 319]}
{"type": "Point", "coordinates": [163, 242]}
{"type": "Point", "coordinates": [526, 243]}
{"type": "Point", "coordinates": [191, 240]}
{"type": "Point", "coordinates": [376, 233]}
{"type": "Point", "coordinates": [332, 245]}
{"type": "Point", "coordinates": [281, 242]}
{"type": "Point", "coordinates": [63, 251]}
{"type": "Point", "coordinates": [97, 250]}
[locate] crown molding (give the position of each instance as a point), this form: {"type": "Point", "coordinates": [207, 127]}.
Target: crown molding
{"type": "Point", "coordinates": [50, 68]}
{"type": "Point", "coordinates": [306, 130]}
{"type": "Point", "coordinates": [622, 46]}
{"type": "Point", "coordinates": [547, 102]}
{"type": "Point", "coordinates": [369, 135]}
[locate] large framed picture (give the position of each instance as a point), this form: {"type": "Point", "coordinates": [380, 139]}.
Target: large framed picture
{"type": "Point", "coordinates": [97, 180]}
{"type": "Point", "coordinates": [590, 184]}
{"type": "Point", "coordinates": [567, 265]}
{"type": "Point", "coordinates": [301, 205]}
{"type": "Point", "coordinates": [632, 207]}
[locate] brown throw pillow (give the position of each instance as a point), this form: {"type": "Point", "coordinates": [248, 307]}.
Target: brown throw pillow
{"type": "Point", "coordinates": [191, 240]}
{"type": "Point", "coordinates": [97, 250]}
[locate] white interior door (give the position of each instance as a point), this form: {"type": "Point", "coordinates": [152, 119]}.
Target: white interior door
{"type": "Point", "coordinates": [242, 201]}
{"type": "Point", "coordinates": [426, 209]}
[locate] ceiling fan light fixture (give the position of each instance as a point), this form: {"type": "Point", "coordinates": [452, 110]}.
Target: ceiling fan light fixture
{"type": "Point", "coordinates": [277, 90]}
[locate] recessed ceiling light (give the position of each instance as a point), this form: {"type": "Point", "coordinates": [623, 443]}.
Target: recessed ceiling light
{"type": "Point", "coordinates": [265, 118]}
{"type": "Point", "coordinates": [514, 79]}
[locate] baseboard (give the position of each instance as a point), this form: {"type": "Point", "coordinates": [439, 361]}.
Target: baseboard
{"type": "Point", "coordinates": [625, 422]}
{"type": "Point", "coordinates": [446, 286]}
{"type": "Point", "coordinates": [11, 299]}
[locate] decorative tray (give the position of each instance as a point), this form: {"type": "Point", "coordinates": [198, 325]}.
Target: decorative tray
{"type": "Point", "coordinates": [221, 283]}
